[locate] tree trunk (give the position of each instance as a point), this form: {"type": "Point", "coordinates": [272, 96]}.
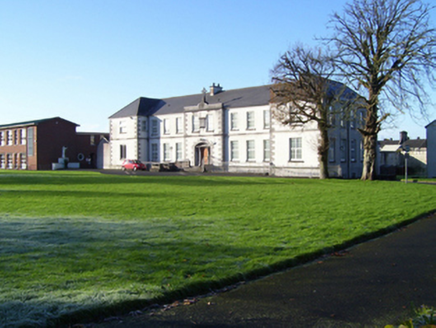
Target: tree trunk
{"type": "Point", "coordinates": [323, 151]}
{"type": "Point", "coordinates": [369, 157]}
{"type": "Point", "coordinates": [323, 167]}
{"type": "Point", "coordinates": [369, 134]}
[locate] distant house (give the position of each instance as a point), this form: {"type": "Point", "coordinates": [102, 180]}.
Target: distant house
{"type": "Point", "coordinates": [231, 131]}
{"type": "Point", "coordinates": [393, 152]}
{"type": "Point", "coordinates": [35, 145]}
{"type": "Point", "coordinates": [431, 149]}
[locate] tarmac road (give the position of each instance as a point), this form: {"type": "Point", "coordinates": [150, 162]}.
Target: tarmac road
{"type": "Point", "coordinates": [368, 285]}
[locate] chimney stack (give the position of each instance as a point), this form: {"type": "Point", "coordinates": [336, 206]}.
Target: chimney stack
{"type": "Point", "coordinates": [403, 137]}
{"type": "Point", "coordinates": [214, 89]}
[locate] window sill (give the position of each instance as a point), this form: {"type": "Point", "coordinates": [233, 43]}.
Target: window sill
{"type": "Point", "coordinates": [295, 161]}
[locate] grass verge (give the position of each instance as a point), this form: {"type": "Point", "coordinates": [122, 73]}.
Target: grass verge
{"type": "Point", "coordinates": [85, 243]}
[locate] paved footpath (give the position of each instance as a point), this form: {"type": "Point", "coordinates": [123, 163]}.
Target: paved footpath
{"type": "Point", "coordinates": [369, 285]}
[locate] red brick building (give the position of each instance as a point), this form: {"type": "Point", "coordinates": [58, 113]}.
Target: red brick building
{"type": "Point", "coordinates": [35, 145]}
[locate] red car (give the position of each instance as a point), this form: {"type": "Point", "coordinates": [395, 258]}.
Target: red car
{"type": "Point", "coordinates": [133, 164]}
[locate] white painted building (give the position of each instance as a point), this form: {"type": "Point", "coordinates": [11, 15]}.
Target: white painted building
{"type": "Point", "coordinates": [392, 156]}
{"type": "Point", "coordinates": [230, 131]}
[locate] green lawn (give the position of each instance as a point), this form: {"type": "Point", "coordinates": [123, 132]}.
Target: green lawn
{"type": "Point", "coordinates": [83, 242]}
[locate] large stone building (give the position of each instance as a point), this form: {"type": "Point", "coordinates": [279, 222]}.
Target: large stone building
{"type": "Point", "coordinates": [229, 130]}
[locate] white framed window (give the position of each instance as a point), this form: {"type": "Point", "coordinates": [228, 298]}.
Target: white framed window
{"type": "Point", "coordinates": [123, 151]}
{"type": "Point", "coordinates": [266, 119]}
{"type": "Point", "coordinates": [2, 138]}
{"type": "Point", "coordinates": [154, 127]}
{"type": "Point", "coordinates": [10, 138]}
{"type": "Point", "coordinates": [234, 150]}
{"type": "Point", "coordinates": [295, 151]}
{"type": "Point", "coordinates": [167, 152]}
{"type": "Point", "coordinates": [343, 148]}
{"type": "Point", "coordinates": [144, 125]}
{"type": "Point", "coordinates": [22, 136]}
{"type": "Point", "coordinates": [203, 122]}
{"type": "Point", "coordinates": [154, 152]}
{"type": "Point", "coordinates": [2, 161]}
{"type": "Point", "coordinates": [9, 159]}
{"type": "Point", "coordinates": [195, 123]}
{"type": "Point", "coordinates": [209, 122]}
{"type": "Point", "coordinates": [250, 120]}
{"type": "Point", "coordinates": [166, 124]}
{"type": "Point", "coordinates": [179, 152]}
{"type": "Point", "coordinates": [250, 151]}
{"type": "Point", "coordinates": [23, 162]}
{"type": "Point", "coordinates": [353, 150]}
{"type": "Point", "coordinates": [332, 150]}
{"type": "Point", "coordinates": [331, 116]}
{"type": "Point", "coordinates": [342, 121]}
{"type": "Point", "coordinates": [16, 141]}
{"type": "Point", "coordinates": [352, 120]}
{"type": "Point", "coordinates": [179, 126]}
{"type": "Point", "coordinates": [234, 121]}
{"type": "Point", "coordinates": [266, 150]}
{"type": "Point", "coordinates": [123, 127]}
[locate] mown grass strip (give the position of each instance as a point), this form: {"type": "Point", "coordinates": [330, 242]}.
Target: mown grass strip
{"type": "Point", "coordinates": [84, 242]}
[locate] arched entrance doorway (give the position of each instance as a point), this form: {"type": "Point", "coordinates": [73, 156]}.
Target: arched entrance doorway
{"type": "Point", "coordinates": [202, 154]}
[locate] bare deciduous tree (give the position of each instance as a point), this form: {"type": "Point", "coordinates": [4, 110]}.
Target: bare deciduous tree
{"type": "Point", "coordinates": [303, 93]}
{"type": "Point", "coordinates": [385, 47]}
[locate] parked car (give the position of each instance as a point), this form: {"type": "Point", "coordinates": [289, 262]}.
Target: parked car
{"type": "Point", "coordinates": [133, 164]}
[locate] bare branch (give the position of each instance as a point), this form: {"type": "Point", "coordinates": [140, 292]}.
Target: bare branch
{"type": "Point", "coordinates": [387, 48]}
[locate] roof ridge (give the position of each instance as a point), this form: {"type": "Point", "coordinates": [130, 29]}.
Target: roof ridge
{"type": "Point", "coordinates": [34, 121]}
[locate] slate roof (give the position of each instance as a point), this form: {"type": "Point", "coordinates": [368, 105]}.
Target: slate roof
{"type": "Point", "coordinates": [34, 122]}
{"type": "Point", "coordinates": [388, 145]}
{"type": "Point", "coordinates": [246, 97]}
{"type": "Point", "coordinates": [431, 123]}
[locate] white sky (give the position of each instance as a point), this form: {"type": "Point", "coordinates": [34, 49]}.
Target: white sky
{"type": "Point", "coordinates": [84, 60]}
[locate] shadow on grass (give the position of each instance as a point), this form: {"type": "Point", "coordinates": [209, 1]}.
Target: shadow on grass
{"type": "Point", "coordinates": [204, 287]}
{"type": "Point", "coordinates": [104, 179]}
